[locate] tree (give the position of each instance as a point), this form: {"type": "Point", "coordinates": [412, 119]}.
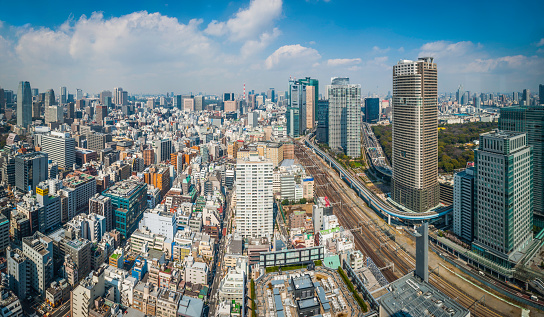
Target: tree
{"type": "Point", "coordinates": [303, 201]}
{"type": "Point", "coordinates": [285, 202]}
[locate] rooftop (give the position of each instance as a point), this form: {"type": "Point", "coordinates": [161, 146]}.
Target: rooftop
{"type": "Point", "coordinates": [414, 297]}
{"type": "Point", "coordinates": [125, 189]}
{"type": "Point", "coordinates": [303, 281]}
{"type": "Point", "coordinates": [306, 303]}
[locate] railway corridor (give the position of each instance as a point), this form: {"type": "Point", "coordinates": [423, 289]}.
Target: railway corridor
{"type": "Point", "coordinates": [370, 236]}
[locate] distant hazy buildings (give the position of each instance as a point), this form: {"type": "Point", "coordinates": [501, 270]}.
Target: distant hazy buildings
{"type": "Point", "coordinates": [24, 105]}
{"type": "Point", "coordinates": [345, 116]}
{"type": "Point", "coordinates": [504, 218]}
{"type": "Point", "coordinates": [415, 135]}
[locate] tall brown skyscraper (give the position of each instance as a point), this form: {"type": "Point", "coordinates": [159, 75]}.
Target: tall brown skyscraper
{"type": "Point", "coordinates": [415, 135]}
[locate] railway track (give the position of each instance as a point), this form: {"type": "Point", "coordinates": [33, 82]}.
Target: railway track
{"type": "Point", "coordinates": [370, 239]}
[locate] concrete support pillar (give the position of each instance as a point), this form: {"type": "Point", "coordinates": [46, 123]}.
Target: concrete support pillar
{"type": "Point", "coordinates": [388, 219]}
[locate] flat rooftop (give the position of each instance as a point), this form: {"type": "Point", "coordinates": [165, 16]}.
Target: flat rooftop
{"type": "Point", "coordinates": [306, 303]}
{"type": "Point", "coordinates": [411, 296]}
{"type": "Point", "coordinates": [125, 189]}
{"type": "Point", "coordinates": [302, 282]}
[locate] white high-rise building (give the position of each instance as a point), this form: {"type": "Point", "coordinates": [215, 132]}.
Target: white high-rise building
{"type": "Point", "coordinates": [163, 149]}
{"type": "Point", "coordinates": [254, 197]}
{"type": "Point", "coordinates": [54, 114]}
{"type": "Point", "coordinates": [60, 148]}
{"type": "Point", "coordinates": [345, 116]}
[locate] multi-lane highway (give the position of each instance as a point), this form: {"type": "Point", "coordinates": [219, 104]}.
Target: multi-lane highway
{"type": "Point", "coordinates": [374, 151]}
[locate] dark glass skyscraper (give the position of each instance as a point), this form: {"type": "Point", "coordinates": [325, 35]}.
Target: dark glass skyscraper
{"type": "Point", "coordinates": [323, 121]}
{"type": "Point", "coordinates": [372, 110]}
{"type": "Point", "coordinates": [541, 94]}
{"type": "Point", "coordinates": [24, 104]}
{"type": "Point", "coordinates": [296, 109]}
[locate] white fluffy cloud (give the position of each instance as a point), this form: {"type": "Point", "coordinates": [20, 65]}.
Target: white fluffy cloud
{"type": "Point", "coordinates": [292, 56]}
{"type": "Point", "coordinates": [248, 23]}
{"type": "Point", "coordinates": [441, 49]}
{"type": "Point", "coordinates": [255, 46]}
{"type": "Point", "coordinates": [343, 62]}
{"type": "Point", "coordinates": [470, 64]}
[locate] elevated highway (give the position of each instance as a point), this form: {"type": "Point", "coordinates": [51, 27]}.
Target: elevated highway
{"type": "Point", "coordinates": [375, 153]}
{"type": "Point", "coordinates": [374, 202]}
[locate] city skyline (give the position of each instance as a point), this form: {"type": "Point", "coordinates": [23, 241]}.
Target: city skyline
{"type": "Point", "coordinates": [216, 47]}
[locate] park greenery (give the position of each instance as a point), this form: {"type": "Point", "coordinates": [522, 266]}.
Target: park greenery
{"type": "Point", "coordinates": [352, 289]}
{"type": "Point", "coordinates": [253, 296]}
{"type": "Point", "coordinates": [455, 147]}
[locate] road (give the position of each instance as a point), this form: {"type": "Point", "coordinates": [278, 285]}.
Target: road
{"type": "Point", "coordinates": [220, 251]}
{"type": "Point", "coordinates": [62, 310]}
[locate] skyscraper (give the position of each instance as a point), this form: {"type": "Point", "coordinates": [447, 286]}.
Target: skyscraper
{"type": "Point", "coordinates": [459, 95]}
{"type": "Point", "coordinates": [504, 180]}
{"type": "Point", "coordinates": [2, 100]}
{"type": "Point", "coordinates": [199, 103]}
{"type": "Point", "coordinates": [79, 94]}
{"type": "Point", "coordinates": [63, 98]}
{"type": "Point", "coordinates": [254, 197]}
{"type": "Point", "coordinates": [228, 96]}
{"type": "Point", "coordinates": [530, 120]}
{"type": "Point", "coordinates": [345, 116]}
{"type": "Point", "coordinates": [61, 148]}
{"type": "Point", "coordinates": [323, 121]}
{"type": "Point", "coordinates": [415, 135]}
{"type": "Point", "coordinates": [312, 96]}
{"type": "Point", "coordinates": [310, 107]}
{"type": "Point", "coordinates": [50, 98]}
{"type": "Point", "coordinates": [296, 109]}
{"type": "Point", "coordinates": [54, 114]}
{"type": "Point", "coordinates": [271, 94]}
{"type": "Point", "coordinates": [372, 110]}
{"type": "Point", "coordinates": [526, 97]}
{"type": "Point", "coordinates": [24, 104]}
{"type": "Point", "coordinates": [103, 95]}
{"type": "Point", "coordinates": [463, 205]}
{"type": "Point", "coordinates": [540, 94]}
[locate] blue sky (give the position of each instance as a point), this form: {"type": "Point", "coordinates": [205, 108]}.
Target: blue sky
{"type": "Point", "coordinates": [216, 46]}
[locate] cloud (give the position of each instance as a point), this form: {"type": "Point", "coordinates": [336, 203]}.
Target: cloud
{"type": "Point", "coordinates": [539, 44]}
{"type": "Point", "coordinates": [343, 62]}
{"type": "Point", "coordinates": [442, 49]}
{"type": "Point", "coordinates": [292, 55]}
{"type": "Point", "coordinates": [506, 64]}
{"type": "Point", "coordinates": [376, 49]}
{"type": "Point", "coordinates": [254, 46]}
{"type": "Point", "coordinates": [248, 23]}
{"type": "Point", "coordinates": [470, 64]}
